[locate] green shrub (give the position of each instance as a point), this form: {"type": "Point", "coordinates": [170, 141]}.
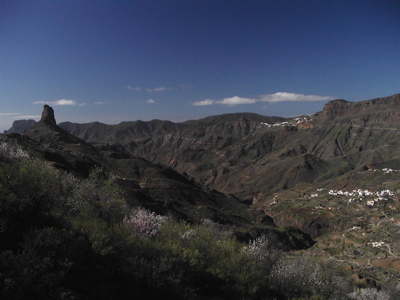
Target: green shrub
{"type": "Point", "coordinates": [100, 197]}
{"type": "Point", "coordinates": [219, 257]}
{"type": "Point", "coordinates": [48, 261]}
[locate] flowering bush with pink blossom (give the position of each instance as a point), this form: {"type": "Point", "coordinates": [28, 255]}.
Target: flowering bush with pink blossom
{"type": "Point", "coordinates": [143, 222]}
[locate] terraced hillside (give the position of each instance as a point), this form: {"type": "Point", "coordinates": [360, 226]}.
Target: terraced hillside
{"type": "Point", "coordinates": [251, 156]}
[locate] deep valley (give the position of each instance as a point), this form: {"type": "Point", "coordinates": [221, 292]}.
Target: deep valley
{"type": "Point", "coordinates": [325, 186]}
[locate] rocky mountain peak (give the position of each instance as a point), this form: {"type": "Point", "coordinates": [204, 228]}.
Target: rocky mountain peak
{"type": "Point", "coordinates": [47, 131]}
{"type": "Point", "coordinates": [20, 126]}
{"type": "Point", "coordinates": [336, 108]}
{"type": "Point", "coordinates": [383, 112]}
{"type": "Point", "coordinates": [48, 115]}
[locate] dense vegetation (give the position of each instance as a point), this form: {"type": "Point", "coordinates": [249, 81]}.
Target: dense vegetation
{"type": "Point", "coordinates": [63, 237]}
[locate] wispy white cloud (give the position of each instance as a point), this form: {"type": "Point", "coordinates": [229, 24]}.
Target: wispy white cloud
{"type": "Point", "coordinates": [204, 102]}
{"type": "Point", "coordinates": [272, 98]}
{"type": "Point", "coordinates": [61, 102]}
{"type": "Point", "coordinates": [237, 100]}
{"type": "Point", "coordinates": [28, 117]}
{"type": "Point", "coordinates": [9, 114]}
{"type": "Point", "coordinates": [284, 96]}
{"type": "Point", "coordinates": [40, 102]}
{"type": "Point", "coordinates": [149, 101]}
{"type": "Point", "coordinates": [101, 102]}
{"type": "Point", "coordinates": [133, 88]}
{"type": "Point", "coordinates": [151, 90]}
{"type": "Point", "coordinates": [18, 116]}
{"type": "Point", "coordinates": [159, 89]}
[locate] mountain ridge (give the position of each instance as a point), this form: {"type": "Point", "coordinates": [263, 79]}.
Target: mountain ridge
{"type": "Point", "coordinates": [153, 186]}
{"type": "Point", "coordinates": [214, 148]}
{"type": "Point", "coordinates": [344, 136]}
{"type": "Point", "coordinates": [333, 108]}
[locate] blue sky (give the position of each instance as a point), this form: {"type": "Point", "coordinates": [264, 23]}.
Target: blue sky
{"type": "Point", "coordinates": [114, 61]}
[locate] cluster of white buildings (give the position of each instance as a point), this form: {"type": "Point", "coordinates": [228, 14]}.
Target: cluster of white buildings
{"type": "Point", "coordinates": [385, 170]}
{"type": "Point", "coordinates": [360, 194]}
{"type": "Point", "coordinates": [371, 198]}
{"type": "Point", "coordinates": [293, 122]}
{"type": "Point", "coordinates": [377, 244]}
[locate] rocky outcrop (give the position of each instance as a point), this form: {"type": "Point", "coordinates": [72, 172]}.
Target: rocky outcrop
{"type": "Point", "coordinates": [376, 112]}
{"type": "Point", "coordinates": [336, 108]}
{"type": "Point", "coordinates": [47, 132]}
{"type": "Point", "coordinates": [48, 115]}
{"type": "Point", "coordinates": [20, 126]}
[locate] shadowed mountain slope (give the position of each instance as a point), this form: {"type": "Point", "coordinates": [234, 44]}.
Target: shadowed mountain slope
{"type": "Point", "coordinates": [251, 155]}
{"type": "Point", "coordinates": [20, 126]}
{"type": "Point", "coordinates": [150, 185]}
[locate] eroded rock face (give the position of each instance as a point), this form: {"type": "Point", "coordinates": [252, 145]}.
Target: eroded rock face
{"type": "Point", "coordinates": [336, 108]}
{"type": "Point", "coordinates": [20, 126]}
{"type": "Point", "coordinates": [48, 115]}
{"type": "Point", "coordinates": [379, 111]}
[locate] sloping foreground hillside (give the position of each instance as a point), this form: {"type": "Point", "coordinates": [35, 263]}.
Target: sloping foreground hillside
{"type": "Point", "coordinates": [84, 237]}
{"type": "Point", "coordinates": [63, 237]}
{"type": "Point", "coordinates": [67, 237]}
{"type": "Point", "coordinates": [152, 186]}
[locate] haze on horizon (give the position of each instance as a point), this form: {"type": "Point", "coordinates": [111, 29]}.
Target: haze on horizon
{"type": "Point", "coordinates": [114, 61]}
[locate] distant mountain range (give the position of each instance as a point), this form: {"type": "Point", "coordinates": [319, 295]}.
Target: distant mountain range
{"type": "Point", "coordinates": [250, 155]}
